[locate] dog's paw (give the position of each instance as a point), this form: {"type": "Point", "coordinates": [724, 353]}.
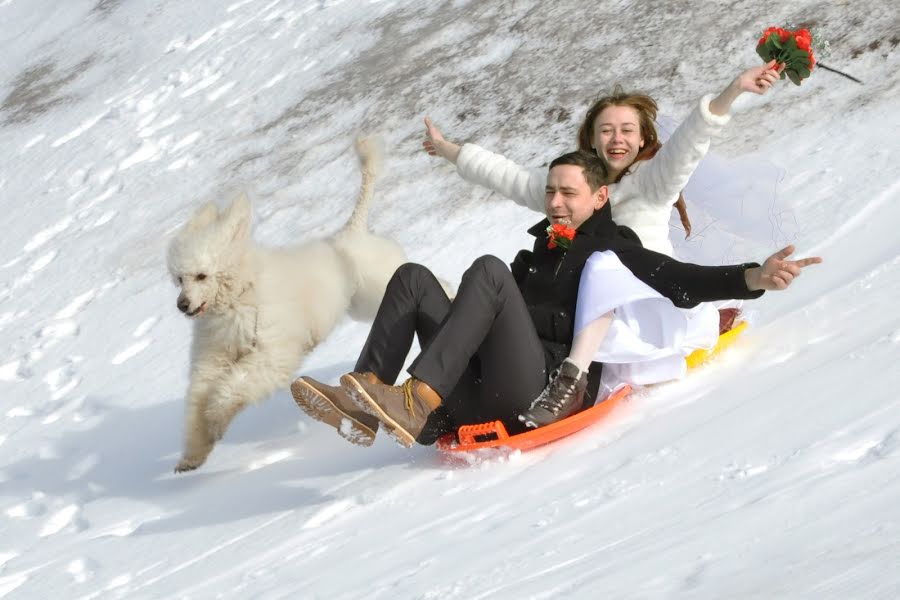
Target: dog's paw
{"type": "Point", "coordinates": [188, 464]}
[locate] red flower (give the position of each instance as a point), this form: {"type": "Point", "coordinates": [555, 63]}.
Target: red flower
{"type": "Point", "coordinates": [784, 34]}
{"type": "Point", "coordinates": [765, 35]}
{"type": "Point", "coordinates": [559, 235]}
{"type": "Point", "coordinates": [563, 230]}
{"type": "Point", "coordinates": [796, 59]}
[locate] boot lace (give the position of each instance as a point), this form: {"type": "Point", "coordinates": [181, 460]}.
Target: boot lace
{"type": "Point", "coordinates": [553, 397]}
{"type": "Point", "coordinates": [408, 396]}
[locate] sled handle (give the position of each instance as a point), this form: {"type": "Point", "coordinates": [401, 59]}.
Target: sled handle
{"type": "Point", "coordinates": [482, 432]}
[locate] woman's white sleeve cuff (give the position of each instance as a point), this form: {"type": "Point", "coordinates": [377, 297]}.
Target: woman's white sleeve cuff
{"type": "Point", "coordinates": [708, 116]}
{"type": "Point", "coordinates": [467, 153]}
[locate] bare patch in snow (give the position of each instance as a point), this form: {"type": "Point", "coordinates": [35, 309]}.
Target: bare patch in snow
{"type": "Point", "coordinates": [38, 89]}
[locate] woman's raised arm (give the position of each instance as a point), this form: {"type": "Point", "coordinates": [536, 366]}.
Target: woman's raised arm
{"type": "Point", "coordinates": [663, 178]}
{"type": "Point", "coordinates": [756, 80]}
{"type": "Point", "coordinates": [479, 166]}
{"type": "Point", "coordinates": [436, 145]}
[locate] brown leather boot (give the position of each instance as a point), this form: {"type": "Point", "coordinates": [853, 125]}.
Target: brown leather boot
{"type": "Point", "coordinates": [333, 406]}
{"type": "Point", "coordinates": [403, 410]}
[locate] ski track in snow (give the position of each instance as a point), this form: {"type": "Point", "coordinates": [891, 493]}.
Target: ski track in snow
{"type": "Point", "coordinates": [130, 352]}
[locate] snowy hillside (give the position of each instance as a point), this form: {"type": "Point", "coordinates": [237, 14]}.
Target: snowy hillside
{"type": "Point", "coordinates": [771, 473]}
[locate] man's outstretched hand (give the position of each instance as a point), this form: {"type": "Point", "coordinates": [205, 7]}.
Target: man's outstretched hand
{"type": "Point", "coordinates": [777, 272]}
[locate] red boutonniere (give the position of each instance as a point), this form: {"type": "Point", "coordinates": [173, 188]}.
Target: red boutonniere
{"type": "Point", "coordinates": [793, 49]}
{"type": "Point", "coordinates": [559, 235]}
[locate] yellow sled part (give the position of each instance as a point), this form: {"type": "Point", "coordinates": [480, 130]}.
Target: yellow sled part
{"type": "Point", "coordinates": [698, 357]}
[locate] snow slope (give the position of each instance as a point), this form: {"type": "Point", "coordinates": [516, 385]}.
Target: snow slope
{"type": "Point", "coordinates": [771, 473]}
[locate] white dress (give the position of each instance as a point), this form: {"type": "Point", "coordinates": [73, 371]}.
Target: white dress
{"type": "Point", "coordinates": [649, 337]}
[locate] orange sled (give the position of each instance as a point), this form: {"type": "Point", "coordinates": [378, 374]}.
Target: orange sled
{"type": "Point", "coordinates": [494, 434]}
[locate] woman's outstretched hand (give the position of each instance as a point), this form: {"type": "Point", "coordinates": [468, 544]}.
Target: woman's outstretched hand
{"type": "Point", "coordinates": [777, 272]}
{"type": "Point", "coordinates": [436, 145]}
{"type": "Point", "coordinates": [756, 80]}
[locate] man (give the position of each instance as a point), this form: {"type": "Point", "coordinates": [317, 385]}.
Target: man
{"type": "Point", "coordinates": [486, 355]}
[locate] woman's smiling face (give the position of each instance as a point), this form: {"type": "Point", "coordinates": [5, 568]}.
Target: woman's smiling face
{"type": "Point", "coordinates": [617, 137]}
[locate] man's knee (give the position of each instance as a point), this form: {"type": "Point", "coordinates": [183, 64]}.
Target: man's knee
{"type": "Point", "coordinates": [413, 278]}
{"type": "Point", "coordinates": [490, 265]}
{"type": "Point", "coordinates": [408, 272]}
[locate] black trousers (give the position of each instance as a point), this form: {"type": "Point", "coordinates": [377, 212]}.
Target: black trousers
{"type": "Point", "coordinates": [480, 352]}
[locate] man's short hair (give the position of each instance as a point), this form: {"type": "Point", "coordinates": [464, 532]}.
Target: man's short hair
{"type": "Point", "coordinates": [596, 173]}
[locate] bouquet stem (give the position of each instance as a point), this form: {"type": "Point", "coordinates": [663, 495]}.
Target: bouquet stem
{"type": "Point", "coordinates": [850, 77]}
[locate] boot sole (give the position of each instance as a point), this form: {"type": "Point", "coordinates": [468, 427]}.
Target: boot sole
{"type": "Point", "coordinates": [534, 422]}
{"type": "Point", "coordinates": [368, 405]}
{"type": "Point", "coordinates": [319, 407]}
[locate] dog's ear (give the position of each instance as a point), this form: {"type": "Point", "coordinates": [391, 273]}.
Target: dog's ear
{"type": "Point", "coordinates": [237, 218]}
{"type": "Point", "coordinates": [203, 216]}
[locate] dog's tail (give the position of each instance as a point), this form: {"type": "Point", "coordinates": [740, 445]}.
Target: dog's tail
{"type": "Point", "coordinates": [369, 151]}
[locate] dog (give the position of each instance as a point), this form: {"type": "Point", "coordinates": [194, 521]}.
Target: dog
{"type": "Point", "coordinates": [257, 312]}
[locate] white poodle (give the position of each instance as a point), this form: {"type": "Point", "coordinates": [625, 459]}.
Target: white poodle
{"type": "Point", "coordinates": [257, 312]}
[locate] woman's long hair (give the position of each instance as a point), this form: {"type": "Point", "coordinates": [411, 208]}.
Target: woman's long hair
{"type": "Point", "coordinates": [646, 109]}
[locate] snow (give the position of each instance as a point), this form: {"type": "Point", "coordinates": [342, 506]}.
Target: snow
{"type": "Point", "coordinates": [772, 472]}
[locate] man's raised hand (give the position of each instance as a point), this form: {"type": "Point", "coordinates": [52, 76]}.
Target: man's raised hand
{"type": "Point", "coordinates": [777, 272]}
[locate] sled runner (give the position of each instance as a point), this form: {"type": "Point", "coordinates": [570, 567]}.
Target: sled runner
{"type": "Point", "coordinates": [494, 434]}
{"type": "Point", "coordinates": [698, 357]}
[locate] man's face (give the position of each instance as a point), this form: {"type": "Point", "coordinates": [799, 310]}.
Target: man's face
{"type": "Point", "coordinates": [569, 198]}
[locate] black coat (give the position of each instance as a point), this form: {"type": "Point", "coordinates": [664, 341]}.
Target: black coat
{"type": "Point", "coordinates": [548, 280]}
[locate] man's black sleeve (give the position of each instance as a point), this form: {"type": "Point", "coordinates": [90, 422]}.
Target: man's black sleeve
{"type": "Point", "coordinates": [686, 284]}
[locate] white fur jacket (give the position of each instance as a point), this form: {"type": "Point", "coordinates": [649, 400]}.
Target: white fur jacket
{"type": "Point", "coordinates": [642, 200]}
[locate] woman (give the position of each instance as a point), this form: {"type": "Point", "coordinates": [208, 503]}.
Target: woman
{"type": "Point", "coordinates": [648, 176]}
{"type": "Point", "coordinates": [486, 354]}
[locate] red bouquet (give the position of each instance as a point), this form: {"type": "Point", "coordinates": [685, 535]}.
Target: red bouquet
{"type": "Point", "coordinates": [559, 235]}
{"type": "Point", "coordinates": [793, 49]}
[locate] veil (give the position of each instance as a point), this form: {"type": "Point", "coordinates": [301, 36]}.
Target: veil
{"type": "Point", "coordinates": [734, 208]}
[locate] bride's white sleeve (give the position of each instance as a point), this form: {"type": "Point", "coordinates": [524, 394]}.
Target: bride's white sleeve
{"type": "Point", "coordinates": [662, 178]}
{"type": "Point", "coordinates": [497, 173]}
